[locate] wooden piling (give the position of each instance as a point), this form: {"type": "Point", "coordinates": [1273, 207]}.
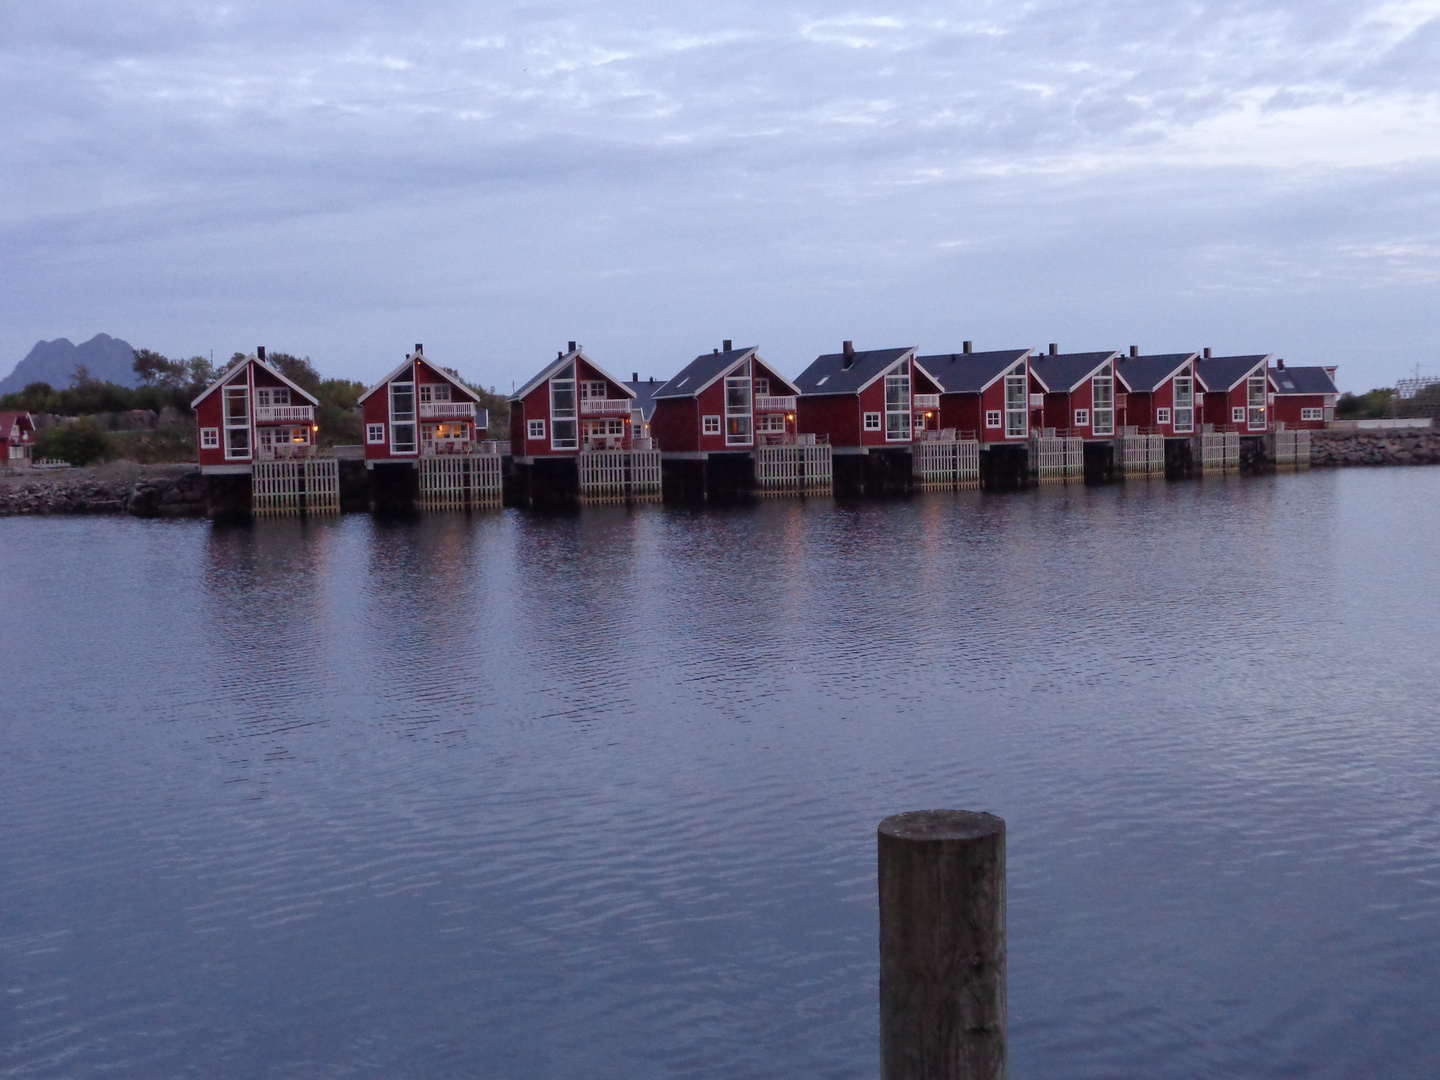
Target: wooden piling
{"type": "Point", "coordinates": [942, 946]}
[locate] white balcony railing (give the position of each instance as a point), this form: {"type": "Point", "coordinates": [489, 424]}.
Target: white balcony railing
{"type": "Point", "coordinates": [284, 451]}
{"type": "Point", "coordinates": [285, 414]}
{"type": "Point", "coordinates": [446, 410]}
{"type": "Point", "coordinates": [925, 401]}
{"type": "Point", "coordinates": [769, 403]}
{"type": "Point", "coordinates": [605, 406]}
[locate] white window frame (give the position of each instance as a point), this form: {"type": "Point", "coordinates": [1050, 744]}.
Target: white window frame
{"type": "Point", "coordinates": [1312, 414]}
{"type": "Point", "coordinates": [899, 421]}
{"type": "Point", "coordinates": [994, 418]}
{"type": "Point", "coordinates": [268, 397]}
{"type": "Point", "coordinates": [374, 434]}
{"type": "Point", "coordinates": [1255, 400]}
{"type": "Point", "coordinates": [402, 419]}
{"type": "Point", "coordinates": [1237, 414]}
{"type": "Point", "coordinates": [710, 425]}
{"type": "Point", "coordinates": [1162, 416]}
{"type": "Point", "coordinates": [237, 427]}
{"type": "Point", "coordinates": [1082, 418]}
{"type": "Point", "coordinates": [739, 409]}
{"type": "Point", "coordinates": [1017, 404]}
{"type": "Point", "coordinates": [564, 418]}
{"type": "Point", "coordinates": [1184, 397]}
{"type": "Point", "coordinates": [1102, 403]}
{"type": "Point", "coordinates": [593, 390]}
{"type": "Point", "coordinates": [772, 422]}
{"type": "Point", "coordinates": [535, 430]}
{"type": "Point", "coordinates": [872, 421]}
{"type": "Point", "coordinates": [762, 386]}
{"type": "Point", "coordinates": [430, 392]}
{"type": "Point", "coordinates": [209, 438]}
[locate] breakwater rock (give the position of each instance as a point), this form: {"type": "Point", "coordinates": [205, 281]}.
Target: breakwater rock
{"type": "Point", "coordinates": [148, 495]}
{"type": "Point", "coordinates": [1413, 446]}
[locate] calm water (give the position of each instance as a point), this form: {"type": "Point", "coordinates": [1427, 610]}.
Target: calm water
{"type": "Point", "coordinates": [516, 796]}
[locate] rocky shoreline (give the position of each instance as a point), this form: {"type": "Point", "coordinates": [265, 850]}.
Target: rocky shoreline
{"type": "Point", "coordinates": [166, 493]}
{"type": "Point", "coordinates": [1402, 446]}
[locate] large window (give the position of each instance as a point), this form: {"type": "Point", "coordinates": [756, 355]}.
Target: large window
{"type": "Point", "coordinates": [772, 422]}
{"type": "Point", "coordinates": [1017, 415]}
{"type": "Point", "coordinates": [897, 405]}
{"type": "Point", "coordinates": [1102, 398]}
{"type": "Point", "coordinates": [402, 418]}
{"type": "Point", "coordinates": [268, 396]}
{"type": "Point", "coordinates": [434, 392]}
{"type": "Point", "coordinates": [1255, 400]}
{"type": "Point", "coordinates": [564, 428]}
{"type": "Point", "coordinates": [237, 421]}
{"type": "Point", "coordinates": [1184, 404]}
{"type": "Point", "coordinates": [593, 389]}
{"type": "Point", "coordinates": [738, 413]}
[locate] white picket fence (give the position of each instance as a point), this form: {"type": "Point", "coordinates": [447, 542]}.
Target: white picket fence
{"type": "Point", "coordinates": [310, 486]}
{"type": "Point", "coordinates": [459, 481]}
{"type": "Point", "coordinates": [794, 470]}
{"type": "Point", "coordinates": [1292, 448]}
{"type": "Point", "coordinates": [1057, 459]}
{"type": "Point", "coordinates": [1220, 451]}
{"type": "Point", "coordinates": [1142, 455]}
{"type": "Point", "coordinates": [619, 475]}
{"type": "Point", "coordinates": [938, 465]}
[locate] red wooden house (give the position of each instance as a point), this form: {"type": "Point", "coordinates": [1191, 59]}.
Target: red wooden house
{"type": "Point", "coordinates": [1235, 392]}
{"type": "Point", "coordinates": [1301, 397]}
{"type": "Point", "coordinates": [420, 410]}
{"type": "Point", "coordinates": [17, 440]}
{"type": "Point", "coordinates": [982, 396]}
{"type": "Point", "coordinates": [863, 401]}
{"type": "Point", "coordinates": [253, 413]}
{"type": "Point", "coordinates": [728, 400]}
{"type": "Point", "coordinates": [1074, 393]}
{"type": "Point", "coordinates": [572, 404]}
{"type": "Point", "coordinates": [1157, 393]}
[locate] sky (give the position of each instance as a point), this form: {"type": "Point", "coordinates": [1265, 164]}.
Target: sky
{"type": "Point", "coordinates": [345, 179]}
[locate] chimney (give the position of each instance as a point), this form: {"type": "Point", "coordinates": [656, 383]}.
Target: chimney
{"type": "Point", "coordinates": [572, 346]}
{"type": "Point", "coordinates": [634, 376]}
{"type": "Point", "coordinates": [652, 378]}
{"type": "Point", "coordinates": [714, 352]}
{"type": "Point", "coordinates": [1054, 349]}
{"type": "Point", "coordinates": [725, 345]}
{"type": "Point", "coordinates": [969, 346]}
{"type": "Point", "coordinates": [259, 352]}
{"type": "Point", "coordinates": [848, 348]}
{"type": "Point", "coordinates": [1280, 364]}
{"type": "Point", "coordinates": [558, 354]}
{"type": "Point", "coordinates": [1207, 352]}
{"type": "Point", "coordinates": [419, 349]}
{"type": "Point", "coordinates": [1134, 350]}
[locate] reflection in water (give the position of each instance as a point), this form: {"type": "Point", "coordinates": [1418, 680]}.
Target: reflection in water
{"type": "Point", "coordinates": [508, 795]}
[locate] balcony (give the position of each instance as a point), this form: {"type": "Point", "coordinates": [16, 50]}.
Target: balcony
{"type": "Point", "coordinates": [285, 414]}
{"type": "Point", "coordinates": [285, 451]}
{"type": "Point", "coordinates": [772, 403]}
{"type": "Point", "coordinates": [925, 401]}
{"type": "Point", "coordinates": [447, 410]}
{"type": "Point", "coordinates": [605, 406]}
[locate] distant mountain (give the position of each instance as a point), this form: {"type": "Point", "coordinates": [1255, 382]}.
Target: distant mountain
{"type": "Point", "coordinates": [107, 359]}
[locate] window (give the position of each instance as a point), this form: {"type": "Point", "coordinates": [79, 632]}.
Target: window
{"type": "Point", "coordinates": [872, 421]}
{"type": "Point", "coordinates": [1162, 416]}
{"type": "Point", "coordinates": [268, 396]}
{"type": "Point", "coordinates": [897, 405]}
{"type": "Point", "coordinates": [402, 418]}
{"type": "Point", "coordinates": [564, 429]}
{"type": "Point", "coordinates": [601, 434]}
{"type": "Point", "coordinates": [772, 422]}
{"type": "Point", "coordinates": [1017, 416]}
{"type": "Point", "coordinates": [994, 418]}
{"type": "Point", "coordinates": [1102, 397]}
{"type": "Point", "coordinates": [711, 425]}
{"type": "Point", "coordinates": [434, 392]}
{"type": "Point", "coordinates": [1082, 417]}
{"type": "Point", "coordinates": [535, 429]}
{"type": "Point", "coordinates": [237, 421]}
{"type": "Point", "coordinates": [738, 414]}
{"type": "Point", "coordinates": [210, 437]}
{"type": "Point", "coordinates": [1184, 403]}
{"type": "Point", "coordinates": [1312, 414]}
{"type": "Point", "coordinates": [762, 387]}
{"type": "Point", "coordinates": [1255, 395]}
{"type": "Point", "coordinates": [1237, 415]}
{"type": "Point", "coordinates": [593, 388]}
{"type": "Point", "coordinates": [375, 434]}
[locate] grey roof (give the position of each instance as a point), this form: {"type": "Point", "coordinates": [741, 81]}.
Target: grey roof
{"type": "Point", "coordinates": [644, 395]}
{"type": "Point", "coordinates": [702, 371]}
{"type": "Point", "coordinates": [1218, 373]}
{"type": "Point", "coordinates": [969, 373]}
{"type": "Point", "coordinates": [555, 365]}
{"type": "Point", "coordinates": [1062, 374]}
{"type": "Point", "coordinates": [1303, 380]}
{"type": "Point", "coordinates": [1146, 374]}
{"type": "Point", "coordinates": [829, 375]}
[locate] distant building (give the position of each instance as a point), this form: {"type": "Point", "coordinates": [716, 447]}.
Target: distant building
{"type": "Point", "coordinates": [571, 404]}
{"type": "Point", "coordinates": [1302, 398]}
{"type": "Point", "coordinates": [17, 440]}
{"type": "Point", "coordinates": [1074, 393]}
{"type": "Point", "coordinates": [728, 400]}
{"type": "Point", "coordinates": [420, 410]}
{"type": "Point", "coordinates": [983, 395]}
{"type": "Point", "coordinates": [1157, 393]}
{"type": "Point", "coordinates": [253, 413]}
{"type": "Point", "coordinates": [1235, 392]}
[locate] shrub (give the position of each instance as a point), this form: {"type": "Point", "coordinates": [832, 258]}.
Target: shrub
{"type": "Point", "coordinates": [79, 443]}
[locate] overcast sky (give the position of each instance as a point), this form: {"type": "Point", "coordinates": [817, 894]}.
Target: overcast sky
{"type": "Point", "coordinates": [344, 179]}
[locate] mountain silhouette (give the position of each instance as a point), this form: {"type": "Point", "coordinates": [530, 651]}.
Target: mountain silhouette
{"type": "Point", "coordinates": [106, 358]}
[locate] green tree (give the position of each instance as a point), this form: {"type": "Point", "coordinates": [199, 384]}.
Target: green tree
{"type": "Point", "coordinates": [150, 365]}
{"type": "Point", "coordinates": [1369, 406]}
{"type": "Point", "coordinates": [79, 443]}
{"type": "Point", "coordinates": [298, 370]}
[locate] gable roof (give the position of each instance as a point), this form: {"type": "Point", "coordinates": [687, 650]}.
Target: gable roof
{"type": "Point", "coordinates": [9, 419]}
{"type": "Point", "coordinates": [560, 361]}
{"type": "Point", "coordinates": [410, 358]}
{"type": "Point", "coordinates": [969, 373]}
{"type": "Point", "coordinates": [703, 371]}
{"type": "Point", "coordinates": [1303, 380]}
{"type": "Point", "coordinates": [229, 373]}
{"type": "Point", "coordinates": [645, 395]}
{"type": "Point", "coordinates": [1146, 374]}
{"type": "Point", "coordinates": [829, 375]}
{"type": "Point", "coordinates": [1061, 374]}
{"type": "Point", "coordinates": [1217, 373]}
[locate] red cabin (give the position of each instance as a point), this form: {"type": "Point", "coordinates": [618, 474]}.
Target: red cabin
{"type": "Point", "coordinates": [1235, 389]}
{"type": "Point", "coordinates": [573, 404]}
{"type": "Point", "coordinates": [1074, 393]}
{"type": "Point", "coordinates": [726, 400]}
{"type": "Point", "coordinates": [1157, 393]}
{"type": "Point", "coordinates": [983, 396]}
{"type": "Point", "coordinates": [1302, 397]}
{"type": "Point", "coordinates": [253, 413]}
{"type": "Point", "coordinates": [863, 401]}
{"type": "Point", "coordinates": [17, 440]}
{"type": "Point", "coordinates": [420, 410]}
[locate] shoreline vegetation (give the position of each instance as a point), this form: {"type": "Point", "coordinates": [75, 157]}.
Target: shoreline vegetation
{"type": "Point", "coordinates": [177, 490]}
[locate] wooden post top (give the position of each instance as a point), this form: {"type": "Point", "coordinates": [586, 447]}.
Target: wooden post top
{"type": "Point", "coordinates": [941, 825]}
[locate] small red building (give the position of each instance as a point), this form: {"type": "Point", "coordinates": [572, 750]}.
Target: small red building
{"type": "Point", "coordinates": [863, 401]}
{"type": "Point", "coordinates": [728, 400]}
{"type": "Point", "coordinates": [17, 440]}
{"type": "Point", "coordinates": [420, 410]}
{"type": "Point", "coordinates": [253, 413]}
{"type": "Point", "coordinates": [1234, 392]}
{"type": "Point", "coordinates": [1074, 393]}
{"type": "Point", "coordinates": [572, 404]}
{"type": "Point", "coordinates": [1157, 393]}
{"type": "Point", "coordinates": [984, 395]}
{"type": "Point", "coordinates": [1302, 398]}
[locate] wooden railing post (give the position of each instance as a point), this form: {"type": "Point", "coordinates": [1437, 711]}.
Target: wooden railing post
{"type": "Point", "coordinates": [942, 946]}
